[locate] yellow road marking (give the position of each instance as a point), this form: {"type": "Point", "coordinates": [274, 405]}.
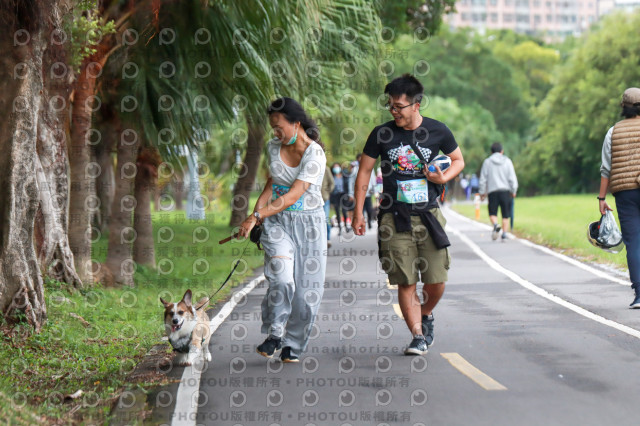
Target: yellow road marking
{"type": "Point", "coordinates": [472, 372]}
{"type": "Point", "coordinates": [396, 308]}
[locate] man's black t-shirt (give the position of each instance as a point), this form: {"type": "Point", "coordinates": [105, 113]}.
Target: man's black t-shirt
{"type": "Point", "coordinates": [402, 177]}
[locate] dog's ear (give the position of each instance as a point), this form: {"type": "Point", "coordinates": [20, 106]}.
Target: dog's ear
{"type": "Point", "coordinates": [164, 302]}
{"type": "Point", "coordinates": [187, 298]}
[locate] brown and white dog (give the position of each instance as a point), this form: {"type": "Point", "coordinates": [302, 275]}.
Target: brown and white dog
{"type": "Point", "coordinates": [187, 327]}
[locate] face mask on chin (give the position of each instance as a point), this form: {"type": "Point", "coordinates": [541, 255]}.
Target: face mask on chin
{"type": "Point", "coordinates": [294, 137]}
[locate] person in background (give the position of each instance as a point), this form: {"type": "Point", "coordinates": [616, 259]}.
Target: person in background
{"type": "Point", "coordinates": [498, 179]}
{"type": "Point", "coordinates": [328, 185]}
{"type": "Point", "coordinates": [338, 194]}
{"type": "Point", "coordinates": [464, 184]}
{"type": "Point", "coordinates": [348, 200]}
{"type": "Point", "coordinates": [474, 183]}
{"type": "Point", "coordinates": [620, 174]}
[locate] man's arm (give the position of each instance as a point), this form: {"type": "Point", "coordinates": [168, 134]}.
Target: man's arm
{"type": "Point", "coordinates": [513, 180]}
{"type": "Point", "coordinates": [605, 172]}
{"type": "Point", "coordinates": [604, 186]}
{"type": "Point", "coordinates": [482, 182]}
{"type": "Point", "coordinates": [360, 192]}
{"type": "Point", "coordinates": [352, 183]}
{"type": "Point", "coordinates": [457, 164]}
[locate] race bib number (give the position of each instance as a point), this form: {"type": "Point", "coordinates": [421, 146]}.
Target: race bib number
{"type": "Point", "coordinates": [280, 190]}
{"type": "Point", "coordinates": [413, 191]}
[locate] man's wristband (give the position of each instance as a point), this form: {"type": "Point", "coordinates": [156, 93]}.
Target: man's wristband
{"type": "Point", "coordinates": [601, 198]}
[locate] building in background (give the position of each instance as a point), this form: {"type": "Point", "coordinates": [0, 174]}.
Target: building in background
{"type": "Point", "coordinates": [550, 18]}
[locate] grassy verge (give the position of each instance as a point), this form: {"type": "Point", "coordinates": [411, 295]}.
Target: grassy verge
{"type": "Point", "coordinates": [558, 221]}
{"type": "Point", "coordinates": [94, 338]}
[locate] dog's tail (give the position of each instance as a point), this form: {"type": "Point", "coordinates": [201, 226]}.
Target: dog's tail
{"type": "Point", "coordinates": [202, 303]}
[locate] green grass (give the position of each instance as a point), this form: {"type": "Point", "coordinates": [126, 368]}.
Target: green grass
{"type": "Point", "coordinates": [558, 221]}
{"type": "Point", "coordinates": [39, 370]}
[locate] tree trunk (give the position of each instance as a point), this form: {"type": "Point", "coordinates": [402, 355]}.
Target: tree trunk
{"type": "Point", "coordinates": [156, 198]}
{"type": "Point", "coordinates": [178, 190]}
{"type": "Point", "coordinates": [54, 254]}
{"type": "Point", "coordinates": [225, 164]}
{"type": "Point", "coordinates": [247, 174]}
{"type": "Point", "coordinates": [143, 249]}
{"type": "Point", "coordinates": [21, 84]}
{"type": "Point", "coordinates": [52, 168]}
{"type": "Point", "coordinates": [105, 182]}
{"type": "Point", "coordinates": [82, 182]}
{"type": "Point", "coordinates": [121, 233]}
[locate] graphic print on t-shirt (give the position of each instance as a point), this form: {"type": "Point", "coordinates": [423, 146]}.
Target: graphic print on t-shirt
{"type": "Point", "coordinates": [404, 159]}
{"type": "Point", "coordinates": [280, 190]}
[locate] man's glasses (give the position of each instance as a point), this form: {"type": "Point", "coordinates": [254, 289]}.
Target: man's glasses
{"type": "Point", "coordinates": [397, 109]}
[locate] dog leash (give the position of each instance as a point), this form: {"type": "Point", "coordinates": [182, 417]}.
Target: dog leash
{"type": "Point", "coordinates": [230, 273]}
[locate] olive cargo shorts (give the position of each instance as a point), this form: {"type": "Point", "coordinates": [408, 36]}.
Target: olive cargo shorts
{"type": "Point", "coordinates": [408, 256]}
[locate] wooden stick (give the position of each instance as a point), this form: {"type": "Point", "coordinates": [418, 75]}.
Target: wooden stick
{"type": "Point", "coordinates": [226, 240]}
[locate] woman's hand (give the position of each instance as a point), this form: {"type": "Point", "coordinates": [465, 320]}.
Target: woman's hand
{"type": "Point", "coordinates": [247, 226]}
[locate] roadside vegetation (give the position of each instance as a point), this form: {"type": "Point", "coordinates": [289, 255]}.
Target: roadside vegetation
{"type": "Point", "coordinates": [94, 338]}
{"type": "Point", "coordinates": [126, 130]}
{"type": "Point", "coordinates": [556, 221]}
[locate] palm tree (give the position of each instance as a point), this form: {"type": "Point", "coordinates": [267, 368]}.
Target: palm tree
{"type": "Point", "coordinates": [231, 39]}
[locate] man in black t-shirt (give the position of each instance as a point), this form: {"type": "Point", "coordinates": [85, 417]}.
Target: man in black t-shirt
{"type": "Point", "coordinates": [411, 239]}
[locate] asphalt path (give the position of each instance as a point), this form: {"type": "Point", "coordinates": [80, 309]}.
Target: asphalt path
{"type": "Point", "coordinates": [522, 337]}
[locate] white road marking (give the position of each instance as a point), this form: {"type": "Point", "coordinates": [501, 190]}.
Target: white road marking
{"type": "Point", "coordinates": [547, 250]}
{"type": "Point", "coordinates": [186, 409]}
{"type": "Point", "coordinates": [541, 292]}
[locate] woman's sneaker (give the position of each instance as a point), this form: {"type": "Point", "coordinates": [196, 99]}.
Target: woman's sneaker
{"type": "Point", "coordinates": [286, 356]}
{"type": "Point", "coordinates": [427, 329]}
{"type": "Point", "coordinates": [418, 346]}
{"type": "Point", "coordinates": [269, 346]}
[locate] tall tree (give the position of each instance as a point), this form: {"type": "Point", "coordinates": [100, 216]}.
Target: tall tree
{"type": "Point", "coordinates": [52, 163]}
{"type": "Point", "coordinates": [582, 105]}
{"type": "Point", "coordinates": [147, 164]}
{"type": "Point", "coordinates": [415, 14]}
{"type": "Point", "coordinates": [460, 64]}
{"type": "Point", "coordinates": [216, 62]}
{"type": "Point", "coordinates": [21, 56]}
{"type": "Point", "coordinates": [99, 44]}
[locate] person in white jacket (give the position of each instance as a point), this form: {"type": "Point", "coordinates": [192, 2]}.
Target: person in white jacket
{"type": "Point", "coordinates": [498, 180]}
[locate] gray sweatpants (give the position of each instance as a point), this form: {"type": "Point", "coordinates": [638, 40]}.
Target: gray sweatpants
{"type": "Point", "coordinates": [295, 260]}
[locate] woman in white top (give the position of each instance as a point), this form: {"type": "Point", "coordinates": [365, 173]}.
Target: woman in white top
{"type": "Point", "coordinates": [294, 231]}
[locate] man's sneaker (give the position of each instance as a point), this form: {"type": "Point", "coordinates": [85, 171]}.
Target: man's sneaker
{"type": "Point", "coordinates": [495, 232]}
{"type": "Point", "coordinates": [636, 302]}
{"type": "Point", "coordinates": [269, 346]}
{"type": "Point", "coordinates": [504, 237]}
{"type": "Point", "coordinates": [418, 346]}
{"type": "Point", "coordinates": [286, 356]}
{"type": "Point", "coordinates": [427, 329]}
